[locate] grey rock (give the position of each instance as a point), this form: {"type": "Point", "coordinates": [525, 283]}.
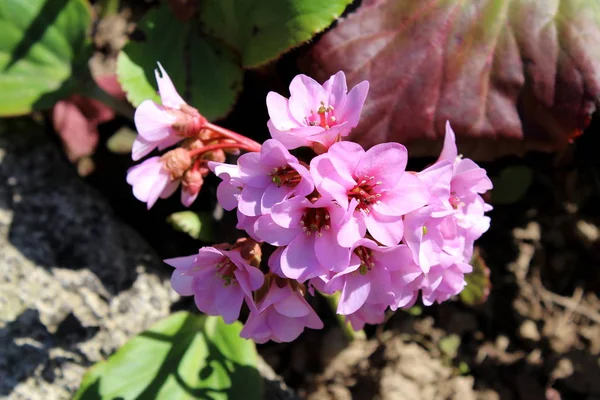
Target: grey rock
{"type": "Point", "coordinates": [75, 282]}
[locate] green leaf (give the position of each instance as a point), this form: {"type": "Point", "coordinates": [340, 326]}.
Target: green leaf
{"type": "Point", "coordinates": [261, 30]}
{"type": "Point", "coordinates": [478, 282]}
{"type": "Point", "coordinates": [205, 72]}
{"type": "Point", "coordinates": [121, 141]}
{"type": "Point", "coordinates": [43, 49]}
{"type": "Point", "coordinates": [197, 225]}
{"type": "Point", "coordinates": [512, 184]}
{"type": "Point", "coordinates": [184, 356]}
{"type": "Point", "coordinates": [449, 345]}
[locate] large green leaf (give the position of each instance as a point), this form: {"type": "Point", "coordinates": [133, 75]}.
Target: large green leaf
{"type": "Point", "coordinates": [42, 49]}
{"type": "Point", "coordinates": [261, 30]}
{"type": "Point", "coordinates": [184, 356]}
{"type": "Point", "coordinates": [205, 72]}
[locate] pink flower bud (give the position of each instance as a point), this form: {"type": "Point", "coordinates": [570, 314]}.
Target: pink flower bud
{"type": "Point", "coordinates": [177, 161]}
{"type": "Point", "coordinates": [192, 181]}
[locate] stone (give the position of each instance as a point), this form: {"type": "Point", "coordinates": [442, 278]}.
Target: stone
{"type": "Point", "coordinates": [75, 282]}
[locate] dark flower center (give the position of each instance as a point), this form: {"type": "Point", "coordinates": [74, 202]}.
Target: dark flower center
{"type": "Point", "coordinates": [365, 256]}
{"type": "Point", "coordinates": [314, 220]}
{"type": "Point", "coordinates": [225, 270]}
{"type": "Point", "coordinates": [285, 176]}
{"type": "Point", "coordinates": [365, 193]}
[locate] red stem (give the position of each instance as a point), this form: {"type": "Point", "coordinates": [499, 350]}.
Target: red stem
{"type": "Point", "coordinates": [221, 146]}
{"type": "Point", "coordinates": [248, 144]}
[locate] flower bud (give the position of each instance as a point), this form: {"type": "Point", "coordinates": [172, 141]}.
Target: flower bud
{"type": "Point", "coordinates": [250, 251]}
{"type": "Point", "coordinates": [192, 181]}
{"type": "Point", "coordinates": [176, 162]}
{"type": "Point", "coordinates": [189, 121]}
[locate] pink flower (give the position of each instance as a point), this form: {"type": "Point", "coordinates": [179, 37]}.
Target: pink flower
{"type": "Point", "coordinates": [229, 190]}
{"type": "Point", "coordinates": [372, 186]}
{"type": "Point", "coordinates": [219, 280]}
{"type": "Point", "coordinates": [315, 113]}
{"type": "Point", "coordinates": [444, 280]}
{"type": "Point", "coordinates": [270, 177]}
{"type": "Point", "coordinates": [281, 316]}
{"type": "Point", "coordinates": [375, 275]}
{"type": "Point", "coordinates": [150, 180]}
{"type": "Point", "coordinates": [309, 231]}
{"type": "Point", "coordinates": [368, 313]}
{"type": "Point", "coordinates": [163, 125]}
{"type": "Point", "coordinates": [454, 218]}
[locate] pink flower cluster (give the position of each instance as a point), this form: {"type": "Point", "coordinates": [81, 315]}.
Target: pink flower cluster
{"type": "Point", "coordinates": [345, 220]}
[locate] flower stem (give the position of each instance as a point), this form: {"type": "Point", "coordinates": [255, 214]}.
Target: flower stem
{"type": "Point", "coordinates": [350, 333]}
{"type": "Point", "coordinates": [249, 144]}
{"type": "Point", "coordinates": [220, 146]}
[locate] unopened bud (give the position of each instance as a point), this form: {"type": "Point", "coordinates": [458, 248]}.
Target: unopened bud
{"type": "Point", "coordinates": [188, 120]}
{"type": "Point", "coordinates": [193, 144]}
{"type": "Point", "coordinates": [177, 161]}
{"type": "Point", "coordinates": [215, 155]}
{"type": "Point", "coordinates": [250, 251]}
{"type": "Point", "coordinates": [192, 181]}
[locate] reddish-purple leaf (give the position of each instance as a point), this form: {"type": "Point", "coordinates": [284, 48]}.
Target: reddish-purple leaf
{"type": "Point", "coordinates": [509, 75]}
{"type": "Point", "coordinates": [76, 119]}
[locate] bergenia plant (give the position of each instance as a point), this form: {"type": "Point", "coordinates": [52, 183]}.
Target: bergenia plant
{"type": "Point", "coordinates": [345, 220]}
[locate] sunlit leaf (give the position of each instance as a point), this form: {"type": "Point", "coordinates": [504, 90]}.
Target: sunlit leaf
{"type": "Point", "coordinates": [205, 72]}
{"type": "Point", "coordinates": [197, 225]}
{"type": "Point", "coordinates": [184, 356]}
{"type": "Point", "coordinates": [261, 30]}
{"type": "Point", "coordinates": [43, 49]}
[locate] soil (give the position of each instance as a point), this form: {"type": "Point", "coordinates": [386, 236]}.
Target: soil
{"type": "Point", "coordinates": [536, 337]}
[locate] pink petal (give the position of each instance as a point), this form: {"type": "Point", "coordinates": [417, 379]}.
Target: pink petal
{"type": "Point", "coordinates": [267, 230]}
{"type": "Point", "coordinates": [229, 301]}
{"type": "Point", "coordinates": [449, 152]}
{"type": "Point", "coordinates": [329, 252]}
{"type": "Point", "coordinates": [284, 329]}
{"type": "Point", "coordinates": [183, 263]}
{"type": "Point", "coordinates": [305, 96]}
{"type": "Point", "coordinates": [274, 194]}
{"type": "Point", "coordinates": [153, 122]}
{"type": "Point", "coordinates": [168, 94]}
{"type": "Point", "coordinates": [298, 260]}
{"type": "Point", "coordinates": [354, 104]}
{"type": "Point", "coordinates": [388, 233]}
{"type": "Point", "coordinates": [182, 283]}
{"type": "Point", "coordinates": [385, 161]}
{"type": "Point", "coordinates": [279, 113]}
{"type": "Point", "coordinates": [169, 189]}
{"type": "Point", "coordinates": [353, 228]}
{"type": "Point", "coordinates": [253, 171]}
{"type": "Point", "coordinates": [170, 141]}
{"type": "Point", "coordinates": [294, 138]}
{"type": "Point", "coordinates": [288, 214]}
{"type": "Point", "coordinates": [336, 91]}
{"type": "Point", "coordinates": [408, 195]}
{"type": "Point", "coordinates": [187, 199]}
{"type": "Point", "coordinates": [141, 147]}
{"type": "Point", "coordinates": [292, 306]}
{"type": "Point", "coordinates": [354, 294]}
{"type": "Point", "coordinates": [249, 201]}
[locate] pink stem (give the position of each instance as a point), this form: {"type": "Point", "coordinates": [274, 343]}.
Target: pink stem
{"type": "Point", "coordinates": [221, 146]}
{"type": "Point", "coordinates": [249, 144]}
